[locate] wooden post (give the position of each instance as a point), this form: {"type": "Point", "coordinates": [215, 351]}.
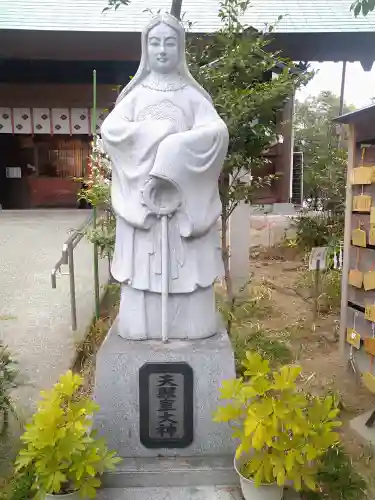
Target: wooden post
{"type": "Point", "coordinates": [352, 159]}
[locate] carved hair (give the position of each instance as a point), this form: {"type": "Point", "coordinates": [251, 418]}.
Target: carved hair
{"type": "Point", "coordinates": [143, 69]}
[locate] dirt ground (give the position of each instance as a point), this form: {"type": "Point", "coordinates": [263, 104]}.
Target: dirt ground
{"type": "Point", "coordinates": [314, 344]}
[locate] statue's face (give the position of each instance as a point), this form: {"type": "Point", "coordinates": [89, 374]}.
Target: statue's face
{"type": "Point", "coordinates": [162, 49]}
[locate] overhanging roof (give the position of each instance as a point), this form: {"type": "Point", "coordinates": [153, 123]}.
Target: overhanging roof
{"type": "Point", "coordinates": [363, 120]}
{"type": "Point", "coordinates": [365, 114]}
{"type": "Point", "coordinates": [299, 16]}
{"type": "Point", "coordinates": [310, 30]}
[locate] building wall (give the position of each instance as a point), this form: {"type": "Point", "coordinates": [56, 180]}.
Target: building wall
{"type": "Point", "coordinates": [55, 96]}
{"type": "Point", "coordinates": [49, 167]}
{"type": "Point", "coordinates": [80, 95]}
{"type": "Point", "coordinates": [36, 190]}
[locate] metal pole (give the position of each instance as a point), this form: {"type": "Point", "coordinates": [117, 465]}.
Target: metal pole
{"type": "Point", "coordinates": [352, 154]}
{"type": "Point", "coordinates": [94, 223]}
{"type": "Point", "coordinates": [96, 270]}
{"type": "Point", "coordinates": [342, 91]}
{"type": "Point", "coordinates": [176, 9]}
{"type": "Point", "coordinates": [73, 305]}
{"type": "Point", "coordinates": [164, 278]}
{"type": "Point", "coordinates": [108, 215]}
{"type": "Point", "coordinates": [53, 278]}
{"type": "Point", "coordinates": [316, 293]}
{"type": "Point", "coordinates": [341, 110]}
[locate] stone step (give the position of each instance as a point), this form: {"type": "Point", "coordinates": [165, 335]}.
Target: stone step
{"type": "Point", "coordinates": [172, 471]}
{"type": "Point", "coordinates": [173, 493]}
{"type": "Point", "coordinates": [180, 493]}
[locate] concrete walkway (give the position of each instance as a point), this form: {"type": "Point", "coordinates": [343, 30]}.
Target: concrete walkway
{"type": "Point", "coordinates": [34, 318]}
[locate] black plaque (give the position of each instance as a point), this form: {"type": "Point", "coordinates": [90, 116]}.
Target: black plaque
{"type": "Point", "coordinates": [166, 405]}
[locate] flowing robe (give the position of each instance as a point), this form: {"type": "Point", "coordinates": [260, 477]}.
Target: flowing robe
{"type": "Point", "coordinates": [176, 136]}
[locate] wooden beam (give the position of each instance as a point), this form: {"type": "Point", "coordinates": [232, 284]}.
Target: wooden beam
{"type": "Point", "coordinates": [352, 159]}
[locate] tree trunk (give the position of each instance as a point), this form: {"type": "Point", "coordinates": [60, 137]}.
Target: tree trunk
{"type": "Point", "coordinates": [230, 299]}
{"type": "Point", "coordinates": [176, 8]}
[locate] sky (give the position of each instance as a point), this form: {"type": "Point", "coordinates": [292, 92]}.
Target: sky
{"type": "Point", "coordinates": [359, 84]}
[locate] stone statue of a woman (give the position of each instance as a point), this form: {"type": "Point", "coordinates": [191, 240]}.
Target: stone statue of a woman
{"type": "Point", "coordinates": [167, 146]}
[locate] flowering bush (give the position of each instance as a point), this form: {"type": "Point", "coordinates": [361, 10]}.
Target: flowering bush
{"type": "Point", "coordinates": [97, 192]}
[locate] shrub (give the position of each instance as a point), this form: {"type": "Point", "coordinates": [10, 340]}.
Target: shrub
{"type": "Point", "coordinates": [284, 432]}
{"type": "Point", "coordinates": [10, 379]}
{"type": "Point", "coordinates": [318, 230]}
{"type": "Point", "coordinates": [19, 487]}
{"type": "Point", "coordinates": [330, 288]}
{"type": "Point", "coordinates": [337, 478]}
{"type": "Point", "coordinates": [255, 339]}
{"type": "Point", "coordinates": [59, 446]}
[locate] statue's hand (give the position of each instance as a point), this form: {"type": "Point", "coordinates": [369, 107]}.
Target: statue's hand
{"type": "Point", "coordinates": [161, 196]}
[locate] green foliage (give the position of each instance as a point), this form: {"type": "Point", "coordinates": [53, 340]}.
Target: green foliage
{"type": "Point", "coordinates": [318, 229]}
{"type": "Point", "coordinates": [115, 4]}
{"type": "Point", "coordinates": [330, 297]}
{"type": "Point", "coordinates": [104, 234]}
{"type": "Point", "coordinates": [97, 192]}
{"type": "Point", "coordinates": [329, 290]}
{"type": "Point", "coordinates": [254, 303]}
{"type": "Point", "coordinates": [337, 478]}
{"type": "Point", "coordinates": [246, 334]}
{"type": "Point", "coordinates": [255, 339]}
{"type": "Point", "coordinates": [19, 487]}
{"type": "Point", "coordinates": [234, 67]}
{"type": "Point", "coordinates": [364, 6]}
{"type": "Point", "coordinates": [283, 432]}
{"type": "Point", "coordinates": [10, 379]}
{"type": "Point", "coordinates": [324, 161]}
{"type": "Point", "coordinates": [59, 446]}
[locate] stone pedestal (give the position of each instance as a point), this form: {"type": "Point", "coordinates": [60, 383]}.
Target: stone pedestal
{"type": "Point", "coordinates": [117, 392]}
{"type": "Point", "coordinates": [239, 245]}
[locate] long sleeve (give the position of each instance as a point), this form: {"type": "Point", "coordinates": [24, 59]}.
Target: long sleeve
{"type": "Point", "coordinates": [193, 161]}
{"type": "Point", "coordinates": [132, 147]}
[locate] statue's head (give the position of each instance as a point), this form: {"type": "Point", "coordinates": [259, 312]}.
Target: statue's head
{"type": "Point", "coordinates": [163, 54]}
{"type": "Point", "coordinates": [163, 51]}
{"type": "Point", "coordinates": [163, 45]}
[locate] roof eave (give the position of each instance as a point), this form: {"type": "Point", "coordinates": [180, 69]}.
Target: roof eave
{"type": "Point", "coordinates": [357, 115]}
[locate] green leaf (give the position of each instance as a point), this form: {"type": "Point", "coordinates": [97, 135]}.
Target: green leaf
{"type": "Point", "coordinates": [259, 437]}
{"type": "Point", "coordinates": [57, 480]}
{"type": "Point", "coordinates": [90, 470]}
{"type": "Point", "coordinates": [309, 482]}
{"type": "Point", "coordinates": [255, 365]}
{"type": "Point", "coordinates": [230, 388]}
{"type": "Point", "coordinates": [59, 445]}
{"type": "Point", "coordinates": [226, 413]}
{"type": "Point", "coordinates": [250, 425]}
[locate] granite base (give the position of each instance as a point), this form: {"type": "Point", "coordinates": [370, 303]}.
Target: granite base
{"type": "Point", "coordinates": [117, 392]}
